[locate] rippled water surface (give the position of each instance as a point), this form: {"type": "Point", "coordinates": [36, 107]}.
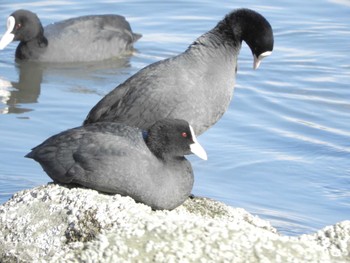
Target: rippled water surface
{"type": "Point", "coordinates": [282, 149]}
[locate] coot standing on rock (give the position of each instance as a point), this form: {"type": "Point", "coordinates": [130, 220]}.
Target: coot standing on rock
{"type": "Point", "coordinates": [196, 85]}
{"type": "Point", "coordinates": [85, 38]}
{"type": "Point", "coordinates": [148, 166]}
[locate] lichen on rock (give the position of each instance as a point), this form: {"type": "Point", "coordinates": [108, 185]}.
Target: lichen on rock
{"type": "Point", "coordinates": [54, 223]}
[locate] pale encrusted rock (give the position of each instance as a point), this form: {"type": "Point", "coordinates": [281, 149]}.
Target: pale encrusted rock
{"type": "Point", "coordinates": [53, 223]}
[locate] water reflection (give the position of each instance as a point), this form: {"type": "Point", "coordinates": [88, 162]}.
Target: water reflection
{"type": "Point", "coordinates": [14, 94]}
{"type": "Point", "coordinates": [27, 89]}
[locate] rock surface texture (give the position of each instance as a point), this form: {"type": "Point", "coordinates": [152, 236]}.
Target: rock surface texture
{"type": "Point", "coordinates": [53, 223]}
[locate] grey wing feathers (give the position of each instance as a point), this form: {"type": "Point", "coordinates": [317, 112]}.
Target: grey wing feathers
{"type": "Point", "coordinates": [55, 155]}
{"type": "Point", "coordinates": [134, 101]}
{"type": "Point", "coordinates": [76, 152]}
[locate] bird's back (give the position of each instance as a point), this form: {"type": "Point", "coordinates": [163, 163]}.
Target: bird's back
{"type": "Point", "coordinates": [88, 38]}
{"type": "Point", "coordinates": [195, 86]}
{"type": "Point", "coordinates": [75, 154]}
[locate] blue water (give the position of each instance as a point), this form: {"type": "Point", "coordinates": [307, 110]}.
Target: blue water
{"type": "Point", "coordinates": [282, 149]}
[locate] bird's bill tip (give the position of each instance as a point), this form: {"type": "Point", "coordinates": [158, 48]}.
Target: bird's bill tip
{"type": "Point", "coordinates": [257, 60]}
{"type": "Point", "coordinates": [6, 39]}
{"type": "Point", "coordinates": [196, 148]}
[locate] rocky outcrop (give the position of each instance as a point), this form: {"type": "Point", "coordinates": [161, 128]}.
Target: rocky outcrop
{"type": "Point", "coordinates": [53, 223]}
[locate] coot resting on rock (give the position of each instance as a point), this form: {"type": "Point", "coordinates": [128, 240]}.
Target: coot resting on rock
{"type": "Point", "coordinates": [148, 166]}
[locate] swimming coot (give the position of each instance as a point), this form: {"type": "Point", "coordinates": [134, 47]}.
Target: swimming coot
{"type": "Point", "coordinates": [85, 38]}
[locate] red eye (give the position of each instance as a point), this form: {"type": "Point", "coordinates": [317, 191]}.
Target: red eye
{"type": "Point", "coordinates": [184, 134]}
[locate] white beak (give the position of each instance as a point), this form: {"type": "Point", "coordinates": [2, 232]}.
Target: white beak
{"type": "Point", "coordinates": [257, 60]}
{"type": "Point", "coordinates": [8, 37]}
{"type": "Point", "coordinates": [196, 148]}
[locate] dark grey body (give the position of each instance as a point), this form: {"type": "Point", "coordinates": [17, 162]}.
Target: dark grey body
{"type": "Point", "coordinates": [114, 158]}
{"type": "Point", "coordinates": [196, 85]}
{"type": "Point", "coordinates": [85, 38]}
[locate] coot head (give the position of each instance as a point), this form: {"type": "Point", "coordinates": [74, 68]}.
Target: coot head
{"type": "Point", "coordinates": [255, 30]}
{"type": "Point", "coordinates": [23, 25]}
{"type": "Point", "coordinates": [173, 138]}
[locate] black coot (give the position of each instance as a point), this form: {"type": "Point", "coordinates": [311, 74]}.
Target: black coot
{"type": "Point", "coordinates": [148, 166]}
{"type": "Point", "coordinates": [196, 85]}
{"type": "Point", "coordinates": [85, 38]}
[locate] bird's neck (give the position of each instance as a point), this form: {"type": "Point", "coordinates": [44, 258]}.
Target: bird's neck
{"type": "Point", "coordinates": [217, 45]}
{"type": "Point", "coordinates": [160, 150]}
{"type": "Point", "coordinates": [156, 147]}
{"type": "Point", "coordinates": [222, 35]}
{"type": "Point", "coordinates": [26, 49]}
